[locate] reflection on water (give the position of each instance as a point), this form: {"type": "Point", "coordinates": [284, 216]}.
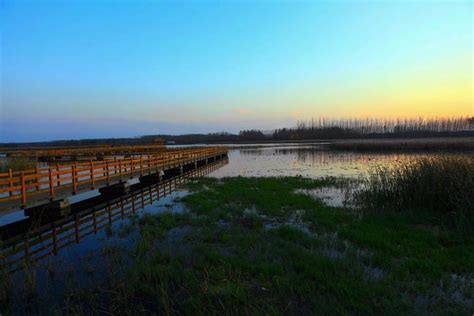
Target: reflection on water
{"type": "Point", "coordinates": [86, 262]}
{"type": "Point", "coordinates": [306, 160]}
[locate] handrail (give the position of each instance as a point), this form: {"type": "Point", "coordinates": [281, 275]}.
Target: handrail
{"type": "Point", "coordinates": [61, 151]}
{"type": "Point", "coordinates": [21, 185]}
{"type": "Point", "coordinates": [43, 240]}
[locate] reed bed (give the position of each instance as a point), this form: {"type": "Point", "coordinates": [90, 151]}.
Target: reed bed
{"type": "Point", "coordinates": [442, 186]}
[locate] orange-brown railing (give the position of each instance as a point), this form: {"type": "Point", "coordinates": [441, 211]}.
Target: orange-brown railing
{"type": "Point", "coordinates": [25, 185]}
{"type": "Point", "coordinates": [41, 242]}
{"type": "Point", "coordinates": [86, 151]}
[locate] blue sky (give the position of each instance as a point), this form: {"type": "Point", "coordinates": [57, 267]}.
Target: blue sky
{"type": "Point", "coordinates": [78, 69]}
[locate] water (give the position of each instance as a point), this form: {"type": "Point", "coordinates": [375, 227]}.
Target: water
{"type": "Point", "coordinates": [311, 160]}
{"type": "Point", "coordinates": [308, 160]}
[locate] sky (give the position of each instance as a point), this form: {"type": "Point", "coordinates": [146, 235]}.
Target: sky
{"type": "Point", "coordinates": [75, 69]}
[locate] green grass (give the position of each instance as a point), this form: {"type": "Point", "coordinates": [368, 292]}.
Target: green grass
{"type": "Point", "coordinates": [254, 246]}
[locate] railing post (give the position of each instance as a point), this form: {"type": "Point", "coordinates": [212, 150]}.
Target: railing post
{"type": "Point", "coordinates": [141, 165]}
{"type": "Point", "coordinates": [51, 185]}
{"type": "Point", "coordinates": [23, 189]}
{"type": "Point", "coordinates": [107, 170]}
{"type": "Point", "coordinates": [74, 180]}
{"type": "Point", "coordinates": [10, 175]}
{"type": "Point", "coordinates": [57, 174]}
{"type": "Point", "coordinates": [37, 178]}
{"type": "Point", "coordinates": [149, 164]}
{"type": "Point", "coordinates": [92, 175]}
{"type": "Point", "coordinates": [120, 170]}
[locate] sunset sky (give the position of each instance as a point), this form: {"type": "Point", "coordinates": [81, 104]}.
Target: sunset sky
{"type": "Point", "coordinates": [79, 69]}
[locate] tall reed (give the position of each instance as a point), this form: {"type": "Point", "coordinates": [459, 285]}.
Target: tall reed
{"type": "Point", "coordinates": [442, 186]}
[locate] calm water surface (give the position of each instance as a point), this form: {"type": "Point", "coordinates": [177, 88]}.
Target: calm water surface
{"type": "Point", "coordinates": [308, 160]}
{"type": "Point", "coordinates": [289, 159]}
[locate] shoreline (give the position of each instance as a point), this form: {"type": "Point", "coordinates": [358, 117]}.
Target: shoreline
{"type": "Point", "coordinates": [375, 144]}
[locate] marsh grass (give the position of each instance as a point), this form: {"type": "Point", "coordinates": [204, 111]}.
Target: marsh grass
{"type": "Point", "coordinates": [441, 187]}
{"type": "Point", "coordinates": [254, 246]}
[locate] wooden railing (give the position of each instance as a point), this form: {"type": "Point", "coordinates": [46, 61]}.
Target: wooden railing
{"type": "Point", "coordinates": [49, 239]}
{"type": "Point", "coordinates": [86, 151]}
{"type": "Point", "coordinates": [47, 182]}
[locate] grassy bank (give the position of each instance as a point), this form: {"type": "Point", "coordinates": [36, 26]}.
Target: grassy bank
{"type": "Point", "coordinates": [256, 245]}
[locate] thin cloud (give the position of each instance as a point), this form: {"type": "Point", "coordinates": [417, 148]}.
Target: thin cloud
{"type": "Point", "coordinates": [244, 111]}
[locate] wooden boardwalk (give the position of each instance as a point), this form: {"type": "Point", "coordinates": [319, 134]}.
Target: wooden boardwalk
{"type": "Point", "coordinates": [33, 187]}
{"type": "Point", "coordinates": [32, 240]}
{"type": "Point", "coordinates": [73, 153]}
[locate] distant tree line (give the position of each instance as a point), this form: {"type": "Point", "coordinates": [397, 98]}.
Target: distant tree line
{"type": "Point", "coordinates": [251, 134]}
{"type": "Point", "coordinates": [321, 128]}
{"type": "Point", "coordinates": [221, 137]}
{"type": "Point", "coordinates": [92, 142]}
